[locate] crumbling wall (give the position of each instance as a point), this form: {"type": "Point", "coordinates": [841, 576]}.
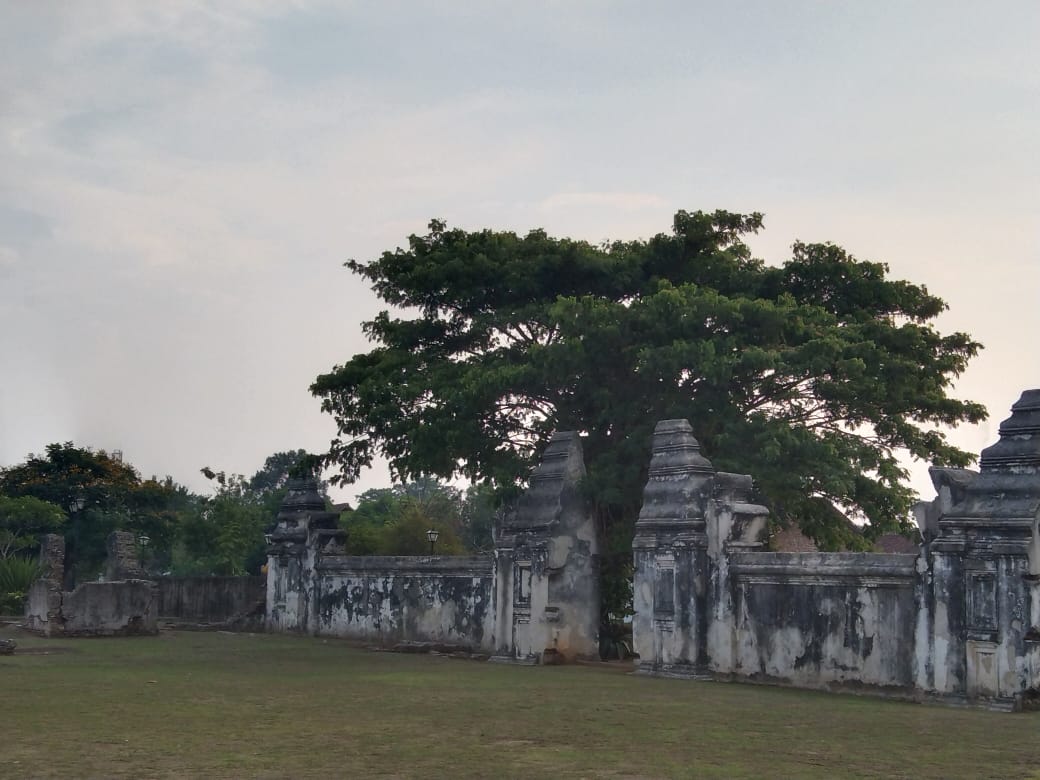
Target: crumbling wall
{"type": "Point", "coordinates": [212, 599]}
{"type": "Point", "coordinates": [547, 564]}
{"type": "Point", "coordinates": [43, 604]}
{"type": "Point", "coordinates": [387, 600]}
{"type": "Point", "coordinates": [813, 619]}
{"type": "Point", "coordinates": [123, 561]}
{"type": "Point", "coordinates": [537, 595]}
{"type": "Point", "coordinates": [127, 608]}
{"type": "Point", "coordinates": [692, 518]}
{"type": "Point", "coordinates": [960, 621]}
{"type": "Point", "coordinates": [709, 600]}
{"type": "Point", "coordinates": [124, 608]}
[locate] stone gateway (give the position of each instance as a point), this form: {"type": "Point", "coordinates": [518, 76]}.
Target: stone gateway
{"type": "Point", "coordinates": [535, 598]}
{"type": "Point", "coordinates": [957, 622]}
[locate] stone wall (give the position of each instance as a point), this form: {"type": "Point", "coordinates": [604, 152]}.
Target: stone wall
{"type": "Point", "coordinates": [537, 596]}
{"type": "Point", "coordinates": [123, 561]}
{"type": "Point", "coordinates": [960, 621]}
{"type": "Point", "coordinates": [546, 563]}
{"type": "Point", "coordinates": [813, 619]}
{"type": "Point", "coordinates": [443, 599]}
{"type": "Point", "coordinates": [212, 599]}
{"type": "Point", "coordinates": [124, 608]}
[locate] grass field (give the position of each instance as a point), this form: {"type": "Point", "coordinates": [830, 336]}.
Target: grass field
{"type": "Point", "coordinates": [241, 705]}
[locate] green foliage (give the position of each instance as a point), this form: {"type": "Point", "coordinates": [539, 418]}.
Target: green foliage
{"type": "Point", "coordinates": [23, 520]}
{"type": "Point", "coordinates": [113, 497]}
{"type": "Point", "coordinates": [813, 376]}
{"type": "Point", "coordinates": [17, 574]}
{"type": "Point", "coordinates": [406, 534]}
{"type": "Point", "coordinates": [224, 534]}
{"type": "Point", "coordinates": [394, 521]}
{"type": "Point", "coordinates": [478, 517]}
{"type": "Point", "coordinates": [65, 473]}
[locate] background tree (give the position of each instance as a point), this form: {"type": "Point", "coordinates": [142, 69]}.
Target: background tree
{"type": "Point", "coordinates": [394, 521]}
{"type": "Point", "coordinates": [224, 534]}
{"type": "Point", "coordinates": [23, 520]}
{"type": "Point", "coordinates": [270, 482]}
{"type": "Point", "coordinates": [479, 508]}
{"type": "Point", "coordinates": [65, 473]}
{"type": "Point", "coordinates": [813, 376]}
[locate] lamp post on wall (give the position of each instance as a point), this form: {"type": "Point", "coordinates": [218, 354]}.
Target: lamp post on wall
{"type": "Point", "coordinates": [432, 535]}
{"type": "Point", "coordinates": [75, 505]}
{"type": "Point", "coordinates": [144, 540]}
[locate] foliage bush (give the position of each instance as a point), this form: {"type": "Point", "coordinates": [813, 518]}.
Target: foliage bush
{"type": "Point", "coordinates": [17, 574]}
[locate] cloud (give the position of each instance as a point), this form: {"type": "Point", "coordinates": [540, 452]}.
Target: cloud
{"type": "Point", "coordinates": [180, 183]}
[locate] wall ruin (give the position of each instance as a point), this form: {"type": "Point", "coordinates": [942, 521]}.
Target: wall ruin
{"type": "Point", "coordinates": [958, 622]}
{"type": "Point", "coordinates": [123, 608]}
{"type": "Point", "coordinates": [537, 596]}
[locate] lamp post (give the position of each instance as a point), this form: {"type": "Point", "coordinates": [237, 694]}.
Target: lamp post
{"type": "Point", "coordinates": [76, 504]}
{"type": "Point", "coordinates": [144, 540]}
{"type": "Point", "coordinates": [432, 535]}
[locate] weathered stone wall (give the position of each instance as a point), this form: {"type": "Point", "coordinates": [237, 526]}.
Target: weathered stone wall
{"type": "Point", "coordinates": [709, 600]}
{"type": "Point", "coordinates": [126, 608]}
{"type": "Point", "coordinates": [537, 596]}
{"type": "Point", "coordinates": [812, 619]}
{"type": "Point", "coordinates": [960, 621]}
{"type": "Point", "coordinates": [211, 599]}
{"type": "Point", "coordinates": [123, 608]}
{"type": "Point", "coordinates": [43, 603]}
{"type": "Point", "coordinates": [547, 564]}
{"type": "Point", "coordinates": [123, 561]}
{"type": "Point", "coordinates": [389, 600]}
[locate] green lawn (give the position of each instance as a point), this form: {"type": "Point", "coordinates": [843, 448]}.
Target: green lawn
{"type": "Point", "coordinates": [240, 705]}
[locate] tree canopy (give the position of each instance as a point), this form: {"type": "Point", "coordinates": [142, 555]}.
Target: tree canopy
{"type": "Point", "coordinates": [813, 376]}
{"type": "Point", "coordinates": [394, 520]}
{"type": "Point", "coordinates": [100, 493]}
{"type": "Point", "coordinates": [23, 520]}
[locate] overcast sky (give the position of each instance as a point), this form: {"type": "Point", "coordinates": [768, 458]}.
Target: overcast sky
{"type": "Point", "coordinates": [181, 182]}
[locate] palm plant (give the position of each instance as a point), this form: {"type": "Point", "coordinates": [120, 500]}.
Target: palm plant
{"type": "Point", "coordinates": [17, 574]}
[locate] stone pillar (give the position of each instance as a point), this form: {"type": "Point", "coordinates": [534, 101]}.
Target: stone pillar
{"type": "Point", "coordinates": [981, 567]}
{"type": "Point", "coordinates": [52, 559]}
{"type": "Point", "coordinates": [123, 561]}
{"type": "Point", "coordinates": [43, 604]}
{"type": "Point", "coordinates": [300, 536]}
{"type": "Point", "coordinates": [546, 564]}
{"type": "Point", "coordinates": [692, 519]}
{"type": "Point", "coordinates": [735, 523]}
{"type": "Point", "coordinates": [670, 555]}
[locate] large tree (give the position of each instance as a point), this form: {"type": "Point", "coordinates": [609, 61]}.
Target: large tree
{"type": "Point", "coordinates": [814, 376]}
{"type": "Point", "coordinates": [95, 487]}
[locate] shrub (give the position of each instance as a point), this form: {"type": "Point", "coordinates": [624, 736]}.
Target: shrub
{"type": "Point", "coordinates": [17, 574]}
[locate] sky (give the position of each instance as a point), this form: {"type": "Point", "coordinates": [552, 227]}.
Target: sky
{"type": "Point", "coordinates": [180, 183]}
